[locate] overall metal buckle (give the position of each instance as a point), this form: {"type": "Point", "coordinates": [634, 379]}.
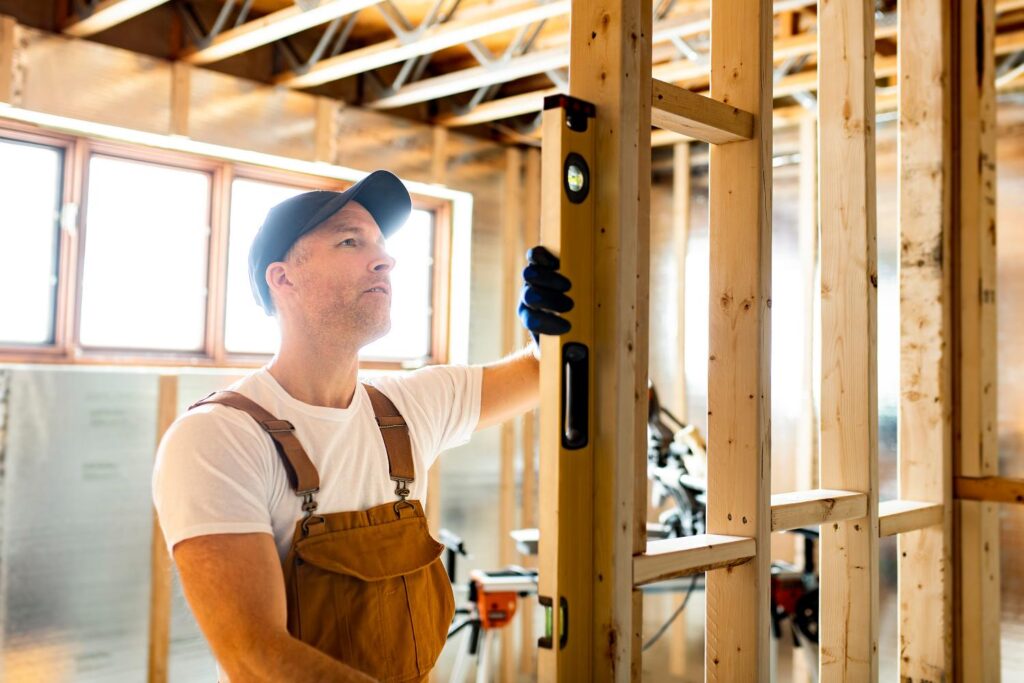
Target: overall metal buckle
{"type": "Point", "coordinates": [309, 506]}
{"type": "Point", "coordinates": [402, 491]}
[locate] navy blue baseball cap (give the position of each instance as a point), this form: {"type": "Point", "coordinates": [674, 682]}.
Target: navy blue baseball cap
{"type": "Point", "coordinates": [381, 193]}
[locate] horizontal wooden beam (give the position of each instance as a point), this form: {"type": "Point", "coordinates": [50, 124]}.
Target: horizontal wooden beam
{"type": "Point", "coordinates": [674, 557]}
{"type": "Point", "coordinates": [698, 116]}
{"type": "Point", "coordinates": [677, 70]}
{"type": "Point", "coordinates": [473, 78]}
{"type": "Point", "coordinates": [802, 45]}
{"type": "Point", "coordinates": [274, 26]}
{"type": "Point", "coordinates": [496, 110]}
{"type": "Point", "coordinates": [901, 516]}
{"type": "Point", "coordinates": [107, 14]}
{"type": "Point", "coordinates": [548, 59]}
{"type": "Point", "coordinates": [472, 26]}
{"type": "Point", "coordinates": [811, 508]}
{"type": "Point", "coordinates": [1007, 43]}
{"type": "Point", "coordinates": [526, 103]}
{"type": "Point", "coordinates": [990, 489]}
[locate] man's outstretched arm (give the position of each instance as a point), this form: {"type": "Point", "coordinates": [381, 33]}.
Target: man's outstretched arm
{"type": "Point", "coordinates": [235, 587]}
{"type": "Point", "coordinates": [510, 387]}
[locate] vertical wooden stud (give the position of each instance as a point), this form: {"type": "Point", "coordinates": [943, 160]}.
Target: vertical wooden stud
{"type": "Point", "coordinates": [8, 48]}
{"type": "Point", "coordinates": [160, 581]}
{"type": "Point", "coordinates": [325, 146]}
{"type": "Point", "coordinates": [181, 98]}
{"type": "Point", "coordinates": [807, 428]}
{"type": "Point", "coordinates": [610, 66]}
{"type": "Point", "coordinates": [528, 506]}
{"type": "Point", "coordinates": [739, 397]}
{"type": "Point", "coordinates": [511, 249]}
{"type": "Point", "coordinates": [849, 392]}
{"type": "Point", "coordinates": [677, 398]}
{"type": "Point", "coordinates": [977, 643]}
{"type": "Point", "coordinates": [439, 156]}
{"type": "Point", "coordinates": [925, 408]}
{"type": "Point", "coordinates": [680, 235]}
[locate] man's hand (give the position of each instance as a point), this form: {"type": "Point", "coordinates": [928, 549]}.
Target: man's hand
{"type": "Point", "coordinates": [544, 295]}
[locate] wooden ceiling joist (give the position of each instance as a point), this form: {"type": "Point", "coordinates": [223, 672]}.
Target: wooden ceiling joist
{"type": "Point", "coordinates": [804, 81]}
{"type": "Point", "coordinates": [271, 27]}
{"type": "Point", "coordinates": [532, 64]}
{"type": "Point", "coordinates": [473, 78]}
{"type": "Point", "coordinates": [107, 14]}
{"type": "Point", "coordinates": [455, 32]}
{"type": "Point", "coordinates": [495, 110]}
{"type": "Point", "coordinates": [678, 70]}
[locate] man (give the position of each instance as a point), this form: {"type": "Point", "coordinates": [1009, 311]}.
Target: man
{"type": "Point", "coordinates": [228, 495]}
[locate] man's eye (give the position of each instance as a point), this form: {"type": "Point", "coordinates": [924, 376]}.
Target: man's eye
{"type": "Point", "coordinates": [350, 242]}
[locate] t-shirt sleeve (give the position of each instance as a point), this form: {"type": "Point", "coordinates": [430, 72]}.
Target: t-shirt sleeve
{"type": "Point", "coordinates": [443, 399]}
{"type": "Point", "coordinates": [211, 477]}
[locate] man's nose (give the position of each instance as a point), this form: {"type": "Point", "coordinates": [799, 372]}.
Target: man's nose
{"type": "Point", "coordinates": [384, 264]}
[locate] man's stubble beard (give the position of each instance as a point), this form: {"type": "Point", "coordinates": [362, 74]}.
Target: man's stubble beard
{"type": "Point", "coordinates": [353, 324]}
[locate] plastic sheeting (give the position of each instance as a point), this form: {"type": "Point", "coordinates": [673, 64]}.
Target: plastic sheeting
{"type": "Point", "coordinates": [74, 557]}
{"type": "Point", "coordinates": [76, 448]}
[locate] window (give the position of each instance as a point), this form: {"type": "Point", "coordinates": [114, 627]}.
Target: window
{"type": "Point", "coordinates": [247, 328]}
{"type": "Point", "coordinates": [144, 273]}
{"type": "Point", "coordinates": [30, 201]}
{"type": "Point", "coordinates": [411, 314]}
{"type": "Point", "coordinates": [152, 265]}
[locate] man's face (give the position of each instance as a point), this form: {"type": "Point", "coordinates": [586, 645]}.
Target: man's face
{"type": "Point", "coordinates": [341, 274]}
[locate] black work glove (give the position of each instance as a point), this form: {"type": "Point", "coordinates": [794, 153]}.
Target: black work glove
{"type": "Point", "coordinates": [544, 295]}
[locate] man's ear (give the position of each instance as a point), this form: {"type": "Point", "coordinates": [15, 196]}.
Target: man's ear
{"type": "Point", "coordinates": [277, 279]}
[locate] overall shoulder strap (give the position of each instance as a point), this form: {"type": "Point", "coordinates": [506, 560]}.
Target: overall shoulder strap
{"type": "Point", "coordinates": [302, 474]}
{"type": "Point", "coordinates": [395, 433]}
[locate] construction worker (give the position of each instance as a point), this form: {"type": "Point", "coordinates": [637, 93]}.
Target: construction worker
{"type": "Point", "coordinates": [291, 503]}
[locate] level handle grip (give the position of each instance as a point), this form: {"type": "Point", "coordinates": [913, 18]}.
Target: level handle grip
{"type": "Point", "coordinates": [575, 396]}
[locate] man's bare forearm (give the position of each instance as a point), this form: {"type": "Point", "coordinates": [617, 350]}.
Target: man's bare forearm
{"type": "Point", "coordinates": [280, 657]}
{"type": "Point", "coordinates": [510, 388]}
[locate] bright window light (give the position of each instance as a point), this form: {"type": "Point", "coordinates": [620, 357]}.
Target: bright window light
{"type": "Point", "coordinates": [411, 287]}
{"type": "Point", "coordinates": [247, 328]}
{"type": "Point", "coordinates": [30, 199]}
{"type": "Point", "coordinates": [146, 250]}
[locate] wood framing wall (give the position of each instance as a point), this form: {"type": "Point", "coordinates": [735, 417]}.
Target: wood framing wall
{"type": "Point", "coordinates": [739, 361]}
{"type": "Point", "coordinates": [974, 371]}
{"type": "Point", "coordinates": [610, 58]}
{"type": "Point", "coordinates": [848, 629]}
{"type": "Point", "coordinates": [947, 404]}
{"type": "Point", "coordinates": [925, 408]}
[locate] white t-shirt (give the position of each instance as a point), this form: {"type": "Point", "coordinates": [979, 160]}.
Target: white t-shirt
{"type": "Point", "coordinates": [218, 472]}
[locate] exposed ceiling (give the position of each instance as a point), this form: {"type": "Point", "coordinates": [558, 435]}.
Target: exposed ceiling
{"type": "Point", "coordinates": [483, 65]}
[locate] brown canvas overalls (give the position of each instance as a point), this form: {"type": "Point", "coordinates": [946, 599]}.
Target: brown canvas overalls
{"type": "Point", "coordinates": [367, 587]}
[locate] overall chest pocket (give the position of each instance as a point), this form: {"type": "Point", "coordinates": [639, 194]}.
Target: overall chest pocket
{"type": "Point", "coordinates": [375, 597]}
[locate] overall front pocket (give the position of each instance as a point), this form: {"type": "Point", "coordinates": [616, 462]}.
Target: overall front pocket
{"type": "Point", "coordinates": [375, 597]}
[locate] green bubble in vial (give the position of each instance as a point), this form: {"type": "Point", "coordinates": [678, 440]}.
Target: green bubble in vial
{"type": "Point", "coordinates": [574, 178]}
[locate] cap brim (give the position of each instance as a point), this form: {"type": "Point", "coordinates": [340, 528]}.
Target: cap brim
{"type": "Point", "coordinates": [385, 197]}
